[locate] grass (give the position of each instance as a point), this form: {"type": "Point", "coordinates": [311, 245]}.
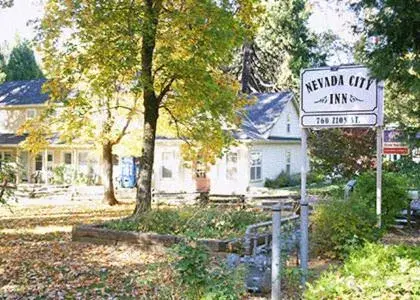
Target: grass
{"type": "Point", "coordinates": [214, 223]}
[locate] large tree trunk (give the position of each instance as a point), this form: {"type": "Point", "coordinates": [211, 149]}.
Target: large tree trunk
{"type": "Point", "coordinates": [246, 68]}
{"type": "Point", "coordinates": [151, 111]}
{"type": "Point", "coordinates": [109, 195]}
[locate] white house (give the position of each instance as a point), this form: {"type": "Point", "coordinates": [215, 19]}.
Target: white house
{"type": "Point", "coordinates": [268, 143]}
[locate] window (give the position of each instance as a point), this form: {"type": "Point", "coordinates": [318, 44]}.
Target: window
{"type": "Point", "coordinates": [83, 158]}
{"type": "Point", "coordinates": [255, 166]}
{"type": "Point", "coordinates": [50, 160]}
{"type": "Point", "coordinates": [38, 162]}
{"type": "Point", "coordinates": [168, 165]}
{"type": "Point", "coordinates": [288, 123]}
{"type": "Point", "coordinates": [7, 156]}
{"type": "Point", "coordinates": [30, 114]}
{"type": "Point", "coordinates": [288, 161]}
{"type": "Point", "coordinates": [231, 166]}
{"type": "Point", "coordinates": [67, 158]}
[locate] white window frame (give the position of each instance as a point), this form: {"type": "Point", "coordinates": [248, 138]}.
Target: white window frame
{"type": "Point", "coordinates": [289, 123]}
{"type": "Point", "coordinates": [171, 166]}
{"type": "Point", "coordinates": [30, 111]}
{"type": "Point", "coordinates": [3, 155]}
{"type": "Point", "coordinates": [288, 162]}
{"type": "Point", "coordinates": [255, 166]}
{"type": "Point", "coordinates": [42, 162]}
{"type": "Point", "coordinates": [232, 165]}
{"type": "Point", "coordinates": [50, 164]}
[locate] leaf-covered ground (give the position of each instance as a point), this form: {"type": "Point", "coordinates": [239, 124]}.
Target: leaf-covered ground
{"type": "Point", "coordinates": [38, 259]}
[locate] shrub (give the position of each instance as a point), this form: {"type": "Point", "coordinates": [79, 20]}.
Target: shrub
{"type": "Point", "coordinates": [193, 222]}
{"type": "Point", "coordinates": [203, 278]}
{"type": "Point", "coordinates": [408, 168]}
{"type": "Point", "coordinates": [288, 180]}
{"type": "Point", "coordinates": [373, 272]}
{"type": "Point", "coordinates": [394, 194]}
{"type": "Point", "coordinates": [340, 225]}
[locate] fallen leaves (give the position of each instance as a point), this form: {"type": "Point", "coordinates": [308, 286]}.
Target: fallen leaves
{"type": "Point", "coordinates": [38, 258]}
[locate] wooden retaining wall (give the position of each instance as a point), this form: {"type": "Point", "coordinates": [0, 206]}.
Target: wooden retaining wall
{"type": "Point", "coordinates": [147, 241]}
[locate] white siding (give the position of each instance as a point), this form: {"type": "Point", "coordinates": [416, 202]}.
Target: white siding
{"type": "Point", "coordinates": [280, 128]}
{"type": "Point", "coordinates": [274, 159]}
{"type": "Point", "coordinates": [219, 181]}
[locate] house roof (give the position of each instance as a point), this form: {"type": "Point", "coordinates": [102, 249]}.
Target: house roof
{"type": "Point", "coordinates": [11, 139]}
{"type": "Point", "coordinates": [22, 92]}
{"type": "Point", "coordinates": [261, 116]}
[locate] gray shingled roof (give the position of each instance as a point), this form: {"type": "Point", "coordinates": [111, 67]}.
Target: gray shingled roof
{"type": "Point", "coordinates": [262, 115]}
{"type": "Point", "coordinates": [22, 92]}
{"type": "Point", "coordinates": [11, 139]}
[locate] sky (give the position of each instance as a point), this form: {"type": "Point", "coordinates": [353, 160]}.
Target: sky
{"type": "Point", "coordinates": [13, 21]}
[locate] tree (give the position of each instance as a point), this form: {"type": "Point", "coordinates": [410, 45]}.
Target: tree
{"type": "Point", "coordinates": [283, 45]}
{"type": "Point", "coordinates": [22, 64]}
{"type": "Point", "coordinates": [7, 177]}
{"type": "Point", "coordinates": [390, 46]}
{"type": "Point", "coordinates": [343, 152]}
{"type": "Point", "coordinates": [165, 54]}
{"type": "Point", "coordinates": [6, 3]}
{"type": "Point", "coordinates": [2, 68]}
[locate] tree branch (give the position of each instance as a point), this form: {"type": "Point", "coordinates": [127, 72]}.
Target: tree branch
{"type": "Point", "coordinates": [165, 90]}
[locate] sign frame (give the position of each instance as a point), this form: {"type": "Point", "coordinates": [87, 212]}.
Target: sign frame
{"type": "Point", "coordinates": [376, 112]}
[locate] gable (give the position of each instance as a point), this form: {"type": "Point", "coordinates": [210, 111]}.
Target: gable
{"type": "Point", "coordinates": [280, 128]}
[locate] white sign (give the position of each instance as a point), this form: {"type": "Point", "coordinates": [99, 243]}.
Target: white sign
{"type": "Point", "coordinates": [343, 96]}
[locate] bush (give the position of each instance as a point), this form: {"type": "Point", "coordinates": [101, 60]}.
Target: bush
{"type": "Point", "coordinates": [203, 278]}
{"type": "Point", "coordinates": [340, 225]}
{"type": "Point", "coordinates": [407, 168]}
{"type": "Point", "coordinates": [193, 222]}
{"type": "Point", "coordinates": [289, 180]}
{"type": "Point", "coordinates": [394, 194]}
{"type": "Point", "coordinates": [373, 272]}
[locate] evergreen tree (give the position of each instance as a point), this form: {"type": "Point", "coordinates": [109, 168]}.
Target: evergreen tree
{"type": "Point", "coordinates": [2, 68]}
{"type": "Point", "coordinates": [272, 60]}
{"type": "Point", "coordinates": [22, 64]}
{"type": "Point", "coordinates": [390, 46]}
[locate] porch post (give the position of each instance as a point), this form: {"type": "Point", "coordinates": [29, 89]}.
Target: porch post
{"type": "Point", "coordinates": [17, 160]}
{"type": "Point", "coordinates": [28, 167]}
{"type": "Point", "coordinates": [44, 167]}
{"type": "Point", "coordinates": [74, 165]}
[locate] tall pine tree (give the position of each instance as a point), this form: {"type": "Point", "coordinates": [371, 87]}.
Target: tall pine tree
{"type": "Point", "coordinates": [390, 46]}
{"type": "Point", "coordinates": [22, 64]}
{"type": "Point", "coordinates": [272, 60]}
{"type": "Point", "coordinates": [2, 68]}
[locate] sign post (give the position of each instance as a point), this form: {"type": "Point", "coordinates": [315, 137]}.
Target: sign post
{"type": "Point", "coordinates": [379, 174]}
{"type": "Point", "coordinates": [337, 97]}
{"type": "Point", "coordinates": [304, 209]}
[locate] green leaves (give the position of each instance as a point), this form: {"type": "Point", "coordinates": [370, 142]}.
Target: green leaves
{"type": "Point", "coordinates": [375, 271]}
{"type": "Point", "coordinates": [392, 52]}
{"type": "Point", "coordinates": [21, 64]}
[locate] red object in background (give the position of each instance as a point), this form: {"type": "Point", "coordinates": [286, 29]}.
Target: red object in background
{"type": "Point", "coordinates": [396, 150]}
